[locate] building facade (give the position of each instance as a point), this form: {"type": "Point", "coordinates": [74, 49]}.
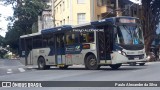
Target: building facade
{"type": "Point", "coordinates": [73, 12]}
{"type": "Point", "coordinates": [45, 20]}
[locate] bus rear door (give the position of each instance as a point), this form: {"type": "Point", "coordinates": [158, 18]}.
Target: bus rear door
{"type": "Point", "coordinates": [60, 49]}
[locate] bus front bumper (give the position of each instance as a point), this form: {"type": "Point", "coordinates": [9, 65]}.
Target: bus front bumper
{"type": "Point", "coordinates": [129, 61]}
{"type": "Point", "coordinates": [118, 58]}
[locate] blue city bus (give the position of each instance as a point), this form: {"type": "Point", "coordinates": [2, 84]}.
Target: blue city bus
{"type": "Point", "coordinates": [111, 41]}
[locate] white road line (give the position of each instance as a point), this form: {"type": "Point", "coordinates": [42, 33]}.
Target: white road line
{"type": "Point", "coordinates": [21, 69]}
{"type": "Point", "coordinates": [9, 71]}
{"type": "Point", "coordinates": [149, 63]}
{"type": "Point", "coordinates": [30, 67]}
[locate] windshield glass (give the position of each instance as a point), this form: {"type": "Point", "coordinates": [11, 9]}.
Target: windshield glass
{"type": "Point", "coordinates": [129, 35]}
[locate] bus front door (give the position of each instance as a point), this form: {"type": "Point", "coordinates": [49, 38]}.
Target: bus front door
{"type": "Point", "coordinates": [60, 49]}
{"type": "Point", "coordinates": [104, 42]}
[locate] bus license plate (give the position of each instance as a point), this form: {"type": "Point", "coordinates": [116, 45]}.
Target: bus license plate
{"type": "Point", "coordinates": [136, 58]}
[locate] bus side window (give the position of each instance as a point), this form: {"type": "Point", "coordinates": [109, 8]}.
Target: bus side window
{"type": "Point", "coordinates": [87, 37]}
{"type": "Point", "coordinates": [90, 37]}
{"type": "Point", "coordinates": [37, 42]}
{"type": "Point", "coordinates": [51, 41]}
{"type": "Point", "coordinates": [76, 37]}
{"type": "Point", "coordinates": [29, 44]}
{"type": "Point", "coordinates": [22, 44]}
{"type": "Point", "coordinates": [70, 39]}
{"type": "Point", "coordinates": [45, 41]}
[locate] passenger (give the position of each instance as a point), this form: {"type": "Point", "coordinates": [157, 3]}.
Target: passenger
{"type": "Point", "coordinates": [71, 40]}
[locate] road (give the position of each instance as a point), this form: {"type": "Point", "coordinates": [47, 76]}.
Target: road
{"type": "Point", "coordinates": [12, 70]}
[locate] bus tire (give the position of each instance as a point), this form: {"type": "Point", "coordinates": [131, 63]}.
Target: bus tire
{"type": "Point", "coordinates": [41, 63]}
{"type": "Point", "coordinates": [91, 63]}
{"type": "Point", "coordinates": [115, 66]}
{"type": "Point", "coordinates": [48, 67]}
{"type": "Point", "coordinates": [132, 64]}
{"type": "Point", "coordinates": [65, 67]}
{"type": "Point", "coordinates": [141, 64]}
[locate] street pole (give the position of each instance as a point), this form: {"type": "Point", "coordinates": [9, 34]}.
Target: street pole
{"type": "Point", "coordinates": [117, 8]}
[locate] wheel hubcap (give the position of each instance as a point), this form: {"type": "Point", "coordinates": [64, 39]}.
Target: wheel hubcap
{"type": "Point", "coordinates": [92, 62]}
{"type": "Point", "coordinates": [41, 64]}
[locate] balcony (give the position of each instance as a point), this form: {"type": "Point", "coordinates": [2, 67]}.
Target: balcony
{"type": "Point", "coordinates": [105, 9]}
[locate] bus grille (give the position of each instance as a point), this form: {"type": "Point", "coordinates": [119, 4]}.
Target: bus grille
{"type": "Point", "coordinates": [132, 57]}
{"type": "Point", "coordinates": [133, 47]}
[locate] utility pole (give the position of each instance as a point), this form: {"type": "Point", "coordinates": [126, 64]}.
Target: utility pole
{"type": "Point", "coordinates": [117, 8]}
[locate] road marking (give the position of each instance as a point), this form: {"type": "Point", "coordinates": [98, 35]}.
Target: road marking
{"type": "Point", "coordinates": [30, 67]}
{"type": "Point", "coordinates": [9, 71]}
{"type": "Point", "coordinates": [149, 63]}
{"type": "Point", "coordinates": [21, 69]}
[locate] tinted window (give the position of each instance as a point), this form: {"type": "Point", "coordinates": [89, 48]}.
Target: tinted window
{"type": "Point", "coordinates": [87, 37]}
{"type": "Point", "coordinates": [48, 40]}
{"type": "Point", "coordinates": [37, 42]}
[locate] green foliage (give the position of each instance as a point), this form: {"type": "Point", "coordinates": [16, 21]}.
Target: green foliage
{"type": "Point", "coordinates": [151, 18]}
{"type": "Point", "coordinates": [6, 56]}
{"type": "Point", "coordinates": [2, 42]}
{"type": "Point", "coordinates": [24, 19]}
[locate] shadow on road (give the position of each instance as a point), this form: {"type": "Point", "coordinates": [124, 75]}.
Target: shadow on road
{"type": "Point", "coordinates": [104, 69]}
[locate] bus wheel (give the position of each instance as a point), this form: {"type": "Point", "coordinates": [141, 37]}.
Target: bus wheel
{"type": "Point", "coordinates": [48, 67]}
{"type": "Point", "coordinates": [64, 67]}
{"type": "Point", "coordinates": [141, 64]}
{"type": "Point", "coordinates": [41, 63]}
{"type": "Point", "coordinates": [91, 63]}
{"type": "Point", "coordinates": [132, 64]}
{"type": "Point", "coordinates": [115, 66]}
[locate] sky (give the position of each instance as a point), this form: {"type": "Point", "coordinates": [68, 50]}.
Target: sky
{"type": "Point", "coordinates": [8, 11]}
{"type": "Point", "coordinates": [5, 11]}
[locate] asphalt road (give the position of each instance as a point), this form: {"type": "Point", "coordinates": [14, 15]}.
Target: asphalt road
{"type": "Point", "coordinates": [18, 72]}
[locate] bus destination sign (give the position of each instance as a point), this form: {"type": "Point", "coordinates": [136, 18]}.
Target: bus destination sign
{"type": "Point", "coordinates": [125, 20]}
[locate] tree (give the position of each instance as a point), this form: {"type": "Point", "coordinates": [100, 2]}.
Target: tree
{"type": "Point", "coordinates": [2, 51]}
{"type": "Point", "coordinates": [25, 15]}
{"type": "Point", "coordinates": [150, 18]}
{"type": "Point", "coordinates": [1, 41]}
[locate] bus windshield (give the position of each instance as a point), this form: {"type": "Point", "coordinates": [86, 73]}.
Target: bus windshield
{"type": "Point", "coordinates": [129, 35]}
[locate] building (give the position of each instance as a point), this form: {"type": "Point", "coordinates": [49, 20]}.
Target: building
{"type": "Point", "coordinates": [126, 8]}
{"type": "Point", "coordinates": [75, 12]}
{"type": "Point", "coordinates": [45, 20]}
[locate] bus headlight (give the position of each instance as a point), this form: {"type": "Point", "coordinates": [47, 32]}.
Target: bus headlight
{"type": "Point", "coordinates": [121, 52]}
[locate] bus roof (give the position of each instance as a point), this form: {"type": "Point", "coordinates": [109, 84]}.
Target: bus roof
{"type": "Point", "coordinates": [81, 25]}
{"type": "Point", "coordinates": [111, 19]}
{"type": "Point", "coordinates": [30, 35]}
{"type": "Point", "coordinates": [69, 27]}
{"type": "Point", "coordinates": [57, 29]}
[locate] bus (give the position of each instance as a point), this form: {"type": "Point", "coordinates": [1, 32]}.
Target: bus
{"type": "Point", "coordinates": [108, 42]}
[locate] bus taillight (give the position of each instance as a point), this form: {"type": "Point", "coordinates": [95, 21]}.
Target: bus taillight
{"type": "Point", "coordinates": [86, 46]}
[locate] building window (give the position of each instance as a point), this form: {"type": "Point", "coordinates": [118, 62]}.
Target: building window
{"type": "Point", "coordinates": [64, 22]}
{"type": "Point", "coordinates": [102, 2]}
{"type": "Point", "coordinates": [63, 6]}
{"type": "Point", "coordinates": [81, 18]}
{"type": "Point", "coordinates": [98, 17]}
{"type": "Point", "coordinates": [60, 8]}
{"type": "Point", "coordinates": [80, 1]}
{"type": "Point", "coordinates": [61, 22]}
{"type": "Point", "coordinates": [68, 19]}
{"type": "Point", "coordinates": [67, 3]}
